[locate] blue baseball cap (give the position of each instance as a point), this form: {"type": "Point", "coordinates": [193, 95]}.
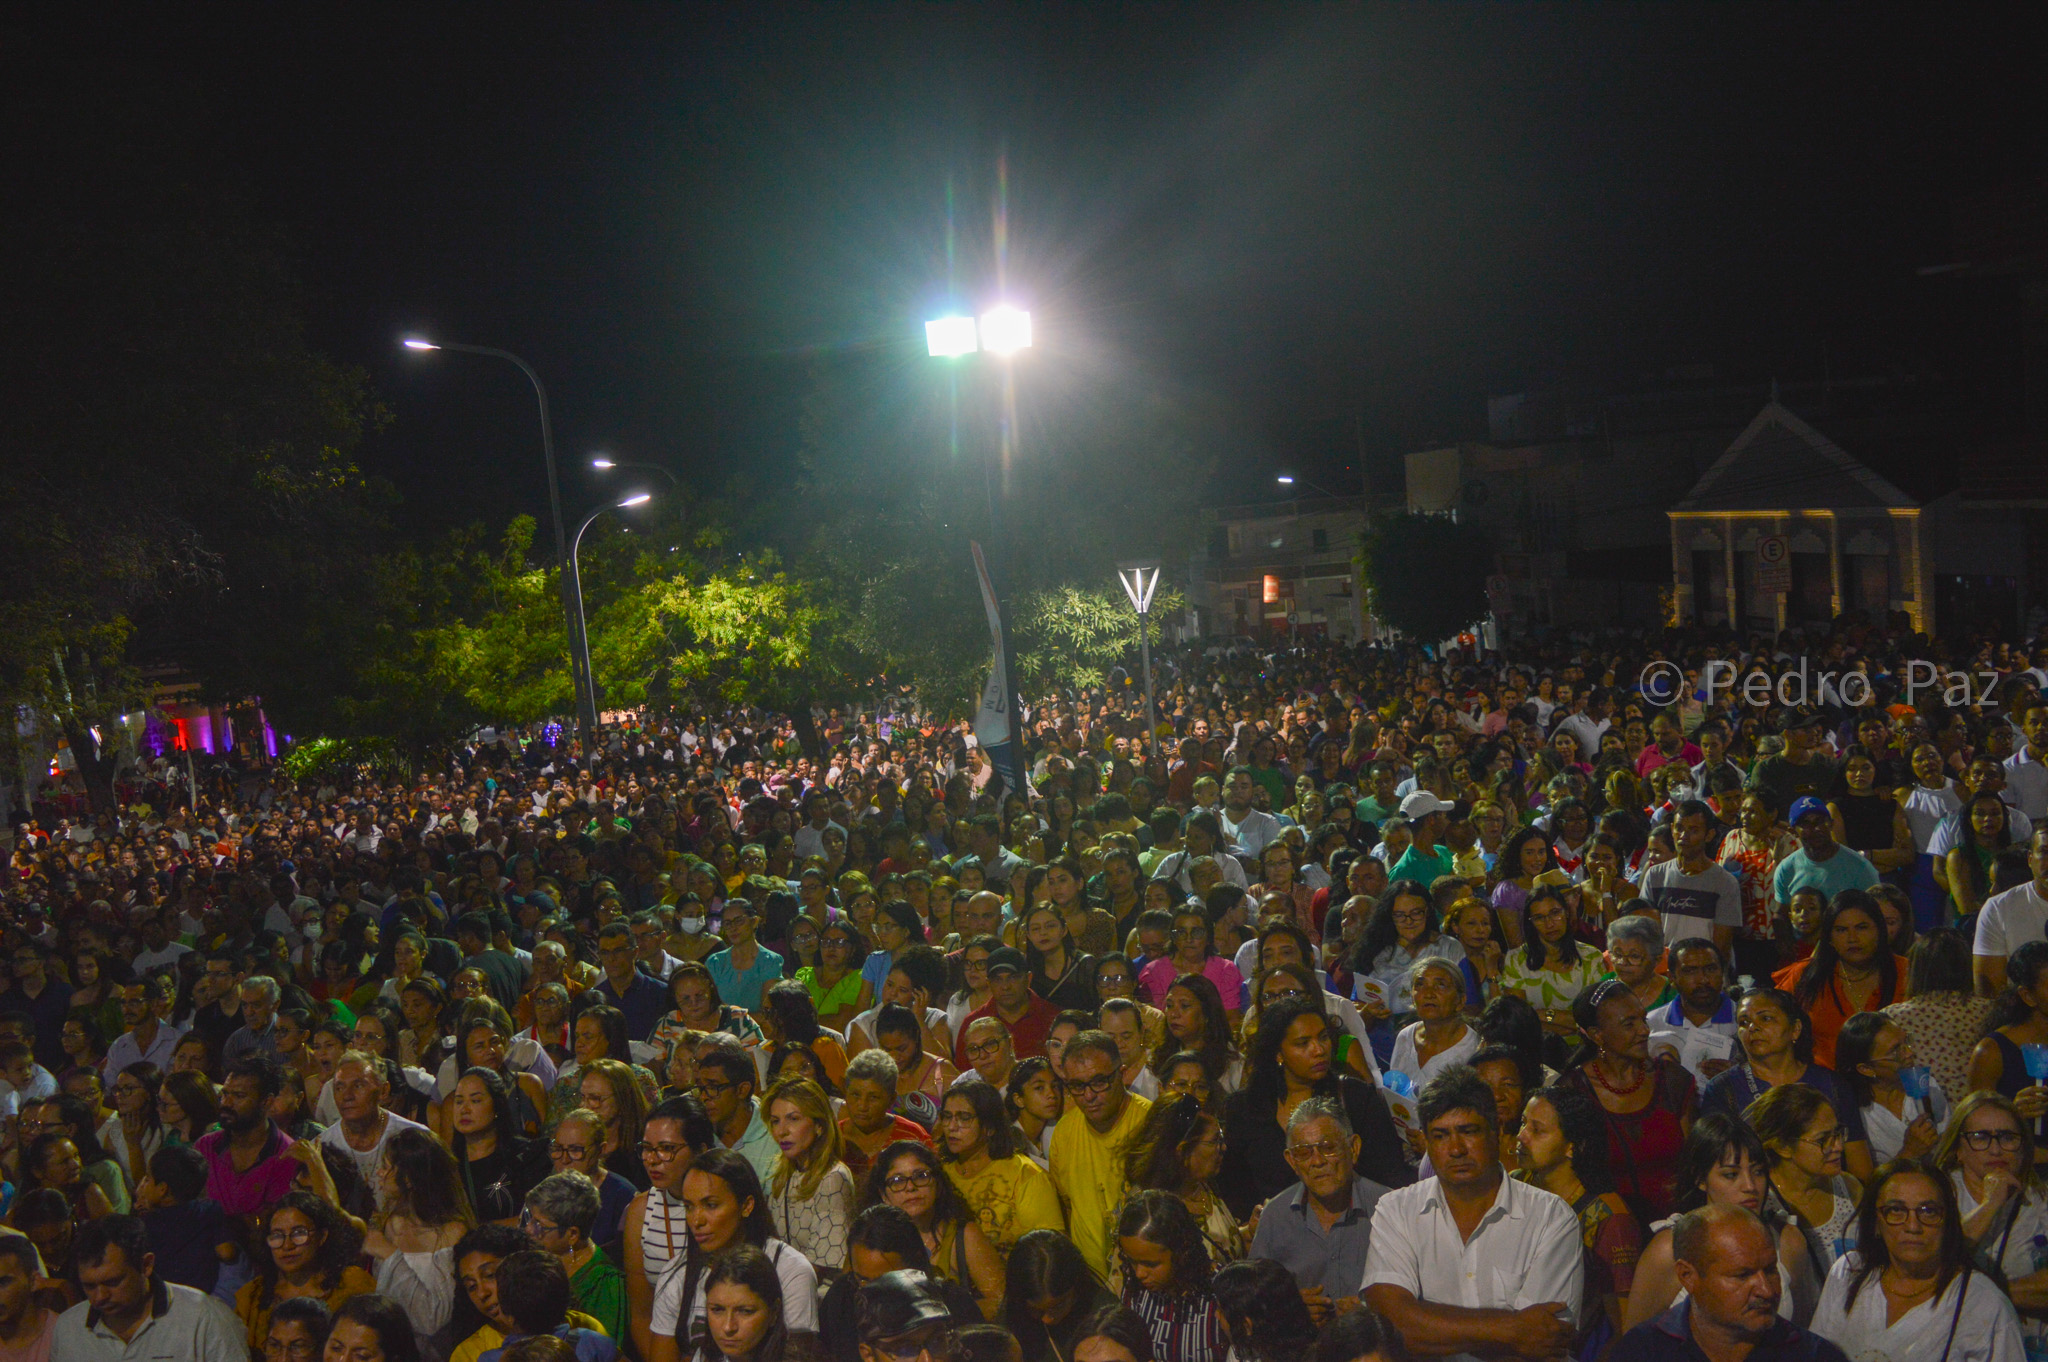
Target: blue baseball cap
{"type": "Point", "coordinates": [1803, 806]}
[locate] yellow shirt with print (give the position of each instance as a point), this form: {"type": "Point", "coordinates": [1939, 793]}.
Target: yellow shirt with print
{"type": "Point", "coordinates": [1088, 1169]}
{"type": "Point", "coordinates": [1010, 1198]}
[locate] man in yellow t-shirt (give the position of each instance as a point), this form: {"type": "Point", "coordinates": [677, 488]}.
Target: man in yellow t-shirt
{"type": "Point", "coordinates": [1087, 1154]}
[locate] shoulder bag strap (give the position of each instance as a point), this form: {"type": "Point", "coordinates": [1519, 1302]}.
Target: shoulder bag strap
{"type": "Point", "coordinates": [1956, 1318]}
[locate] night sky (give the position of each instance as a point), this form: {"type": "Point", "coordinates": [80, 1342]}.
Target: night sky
{"type": "Point", "coordinates": [1321, 227]}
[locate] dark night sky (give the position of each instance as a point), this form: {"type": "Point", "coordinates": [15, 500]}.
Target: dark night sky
{"type": "Point", "coordinates": [1288, 217]}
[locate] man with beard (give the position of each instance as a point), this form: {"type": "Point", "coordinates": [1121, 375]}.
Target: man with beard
{"type": "Point", "coordinates": [248, 1169]}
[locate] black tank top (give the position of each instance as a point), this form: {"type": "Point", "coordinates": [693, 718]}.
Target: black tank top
{"type": "Point", "coordinates": [1867, 821]}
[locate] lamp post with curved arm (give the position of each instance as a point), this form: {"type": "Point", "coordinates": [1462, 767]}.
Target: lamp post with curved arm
{"type": "Point", "coordinates": [588, 733]}
{"type": "Point", "coordinates": [579, 635]}
{"type": "Point", "coordinates": [605, 463]}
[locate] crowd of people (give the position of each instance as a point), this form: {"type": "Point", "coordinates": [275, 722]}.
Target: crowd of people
{"type": "Point", "coordinates": [1399, 1004]}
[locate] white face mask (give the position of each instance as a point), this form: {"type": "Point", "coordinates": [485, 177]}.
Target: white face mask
{"type": "Point", "coordinates": [691, 925]}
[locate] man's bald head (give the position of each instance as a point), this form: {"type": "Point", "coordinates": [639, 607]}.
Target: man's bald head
{"type": "Point", "coordinates": [1727, 1261]}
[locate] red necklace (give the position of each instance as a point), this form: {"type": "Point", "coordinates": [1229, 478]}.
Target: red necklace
{"type": "Point", "coordinates": [1595, 1069]}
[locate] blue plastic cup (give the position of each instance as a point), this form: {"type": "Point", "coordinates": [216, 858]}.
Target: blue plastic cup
{"type": "Point", "coordinates": [1914, 1079]}
{"type": "Point", "coordinates": [2036, 1058]}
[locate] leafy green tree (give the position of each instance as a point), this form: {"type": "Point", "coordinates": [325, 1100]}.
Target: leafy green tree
{"type": "Point", "coordinates": [1068, 637]}
{"type": "Point", "coordinates": [1425, 575]}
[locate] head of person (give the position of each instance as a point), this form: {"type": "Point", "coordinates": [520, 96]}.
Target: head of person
{"type": "Point", "coordinates": [1801, 1127]}
{"type": "Point", "coordinates": [870, 1090]}
{"type": "Point", "coordinates": [908, 1176]}
{"type": "Point", "coordinates": [1697, 975]}
{"type": "Point", "coordinates": [420, 1177]}
{"type": "Point", "coordinates": [478, 1255]}
{"type": "Point", "coordinates": [1293, 1045]}
{"type": "Point", "coordinates": [723, 1203]}
{"type": "Point", "coordinates": [533, 1291]}
{"type": "Point", "coordinates": [1263, 1311]}
{"type": "Point", "coordinates": [1939, 962]}
{"type": "Point", "coordinates": [904, 1318]}
{"type": "Point", "coordinates": [1196, 1019]}
{"type": "Point", "coordinates": [799, 1116]}
{"type": "Point", "coordinates": [1908, 1217]}
{"type": "Point", "coordinates": [1634, 945]}
{"type": "Point", "coordinates": [301, 1232]}
{"type": "Point", "coordinates": [560, 1211]}
{"type": "Point", "coordinates": [1114, 1334]}
{"type": "Point", "coordinates": [250, 1084]}
{"type": "Point", "coordinates": [1562, 1127]}
{"type": "Point", "coordinates": [371, 1328]}
{"type": "Point", "coordinates": [1985, 1136]}
{"type": "Point", "coordinates": [297, 1329]}
{"type": "Point", "coordinates": [1769, 1023]}
{"type": "Point", "coordinates": [1092, 1073]}
{"type": "Point", "coordinates": [989, 1050]}
{"type": "Point", "coordinates": [1046, 1280]}
{"type": "Point", "coordinates": [1502, 1070]}
{"type": "Point", "coordinates": [1727, 1261]}
{"type": "Point", "coordinates": [1322, 1148]}
{"type": "Point", "coordinates": [1611, 1021]}
{"type": "Point", "coordinates": [116, 1269]}
{"type": "Point", "coordinates": [743, 1305]}
{"type": "Point", "coordinates": [1722, 1163]}
{"type": "Point", "coordinates": [972, 1120]}
{"type": "Point", "coordinates": [1162, 1247]}
{"type": "Point", "coordinates": [1460, 1128]}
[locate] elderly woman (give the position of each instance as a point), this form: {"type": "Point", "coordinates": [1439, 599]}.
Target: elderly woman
{"type": "Point", "coordinates": [1439, 1037]}
{"type": "Point", "coordinates": [561, 1214]}
{"type": "Point", "coordinates": [1634, 946]}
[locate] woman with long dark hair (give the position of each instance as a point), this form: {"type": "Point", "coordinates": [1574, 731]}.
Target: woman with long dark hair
{"type": "Point", "coordinates": [1263, 1312]}
{"type": "Point", "coordinates": [1986, 831]}
{"type": "Point", "coordinates": [791, 1018]}
{"type": "Point", "coordinates": [1050, 1293]}
{"type": "Point", "coordinates": [983, 1156]}
{"type": "Point", "coordinates": [1563, 1149]}
{"type": "Point", "coordinates": [725, 1207]}
{"type": "Point", "coordinates": [425, 1212]}
{"type": "Point", "coordinates": [373, 1328]}
{"type": "Point", "coordinates": [1198, 1023]}
{"type": "Point", "coordinates": [1941, 1012]}
{"type": "Point", "coordinates": [141, 1130]}
{"type": "Point", "coordinates": [837, 992]}
{"type": "Point", "coordinates": [188, 1104]}
{"type": "Point", "coordinates": [1166, 1277]}
{"type": "Point", "coordinates": [1851, 970]}
{"type": "Point", "coordinates": [1723, 1164]}
{"type": "Point", "coordinates": [1911, 1288]}
{"type": "Point", "coordinates": [497, 1163]}
{"type": "Point", "coordinates": [1551, 968]}
{"type": "Point", "coordinates": [306, 1249]}
{"type": "Point", "coordinates": [1292, 1060]}
{"type": "Point", "coordinates": [1803, 1133]}
{"type": "Point", "coordinates": [1522, 858]}
{"type": "Point", "coordinates": [1060, 973]}
{"type": "Point", "coordinates": [743, 1315]}
{"type": "Point", "coordinates": [1403, 929]}
{"type": "Point", "coordinates": [909, 1176]}
{"type": "Point", "coordinates": [1179, 1149]}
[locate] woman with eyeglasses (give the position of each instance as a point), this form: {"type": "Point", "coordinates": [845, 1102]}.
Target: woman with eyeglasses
{"type": "Point", "coordinates": [613, 1092]}
{"type": "Point", "coordinates": [1179, 1149]}
{"type": "Point", "coordinates": [724, 1206]}
{"type": "Point", "coordinates": [1988, 1153]}
{"type": "Point", "coordinates": [1403, 929]}
{"type": "Point", "coordinates": [1910, 1291]}
{"type": "Point", "coordinates": [1551, 968]}
{"type": "Point", "coordinates": [975, 990]}
{"type": "Point", "coordinates": [141, 1130]}
{"type": "Point", "coordinates": [598, 1032]}
{"type": "Point", "coordinates": [305, 1249]}
{"type": "Point", "coordinates": [909, 1176]}
{"type": "Point", "coordinates": [983, 1155]}
{"type": "Point", "coordinates": [1116, 978]}
{"type": "Point", "coordinates": [1804, 1136]}
{"type": "Point", "coordinates": [699, 1007]}
{"type": "Point", "coordinates": [655, 1229]}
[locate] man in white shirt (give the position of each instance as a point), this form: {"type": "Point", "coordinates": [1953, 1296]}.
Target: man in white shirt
{"type": "Point", "coordinates": [360, 1091]}
{"type": "Point", "coordinates": [145, 1039]}
{"type": "Point", "coordinates": [2010, 920]}
{"type": "Point", "coordinates": [1470, 1261]}
{"type": "Point", "coordinates": [130, 1313]}
{"type": "Point", "coordinates": [1587, 722]}
{"type": "Point", "coordinates": [1242, 823]}
{"type": "Point", "coordinates": [809, 840]}
{"type": "Point", "coordinates": [2026, 776]}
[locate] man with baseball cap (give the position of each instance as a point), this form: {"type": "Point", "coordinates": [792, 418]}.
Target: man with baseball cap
{"type": "Point", "coordinates": [1023, 1013]}
{"type": "Point", "coordinates": [903, 1318]}
{"type": "Point", "coordinates": [1821, 862]}
{"type": "Point", "coordinates": [1801, 770]}
{"type": "Point", "coordinates": [1427, 859]}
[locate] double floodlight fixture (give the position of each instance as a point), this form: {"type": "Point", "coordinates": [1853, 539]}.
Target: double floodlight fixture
{"type": "Point", "coordinates": [1001, 331]}
{"type": "Point", "coordinates": [1141, 581]}
{"type": "Point", "coordinates": [415, 343]}
{"type": "Point", "coordinates": [637, 499]}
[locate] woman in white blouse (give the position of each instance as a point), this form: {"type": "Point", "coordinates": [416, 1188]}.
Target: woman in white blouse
{"type": "Point", "coordinates": [1439, 1037]}
{"type": "Point", "coordinates": [413, 1241]}
{"type": "Point", "coordinates": [1874, 1059]}
{"type": "Point", "coordinates": [1909, 1292]}
{"type": "Point", "coordinates": [811, 1194]}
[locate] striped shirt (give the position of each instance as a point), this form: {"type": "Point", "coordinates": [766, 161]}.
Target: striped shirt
{"type": "Point", "coordinates": [663, 1235]}
{"type": "Point", "coordinates": [1185, 1326]}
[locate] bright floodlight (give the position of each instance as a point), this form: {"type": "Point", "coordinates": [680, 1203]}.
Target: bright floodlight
{"type": "Point", "coordinates": [1285, 480]}
{"type": "Point", "coordinates": [637, 499]}
{"type": "Point", "coordinates": [949, 336]}
{"type": "Point", "coordinates": [1005, 330]}
{"type": "Point", "coordinates": [1140, 581]}
{"type": "Point", "coordinates": [413, 343]}
{"type": "Point", "coordinates": [602, 462]}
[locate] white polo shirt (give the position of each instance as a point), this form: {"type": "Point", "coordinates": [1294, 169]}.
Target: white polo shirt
{"type": "Point", "coordinates": [2010, 920]}
{"type": "Point", "coordinates": [1525, 1250]}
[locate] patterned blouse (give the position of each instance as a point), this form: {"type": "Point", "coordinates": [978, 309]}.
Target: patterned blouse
{"type": "Point", "coordinates": [1546, 989]}
{"type": "Point", "coordinates": [816, 1226]}
{"type": "Point", "coordinates": [1752, 864]}
{"type": "Point", "coordinates": [1944, 1028]}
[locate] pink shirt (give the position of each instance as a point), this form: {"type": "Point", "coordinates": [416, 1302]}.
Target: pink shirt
{"type": "Point", "coordinates": [247, 1193]}
{"type": "Point", "coordinates": [1158, 977]}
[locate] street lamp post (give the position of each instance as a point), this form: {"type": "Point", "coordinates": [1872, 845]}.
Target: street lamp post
{"type": "Point", "coordinates": [1001, 331]}
{"type": "Point", "coordinates": [605, 463]}
{"type": "Point", "coordinates": [579, 634]}
{"type": "Point", "coordinates": [1140, 581]}
{"type": "Point", "coordinates": [588, 734]}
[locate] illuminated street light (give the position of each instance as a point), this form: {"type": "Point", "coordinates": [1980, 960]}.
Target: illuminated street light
{"type": "Point", "coordinates": [601, 462]}
{"type": "Point", "coordinates": [586, 711]}
{"type": "Point", "coordinates": [1141, 582]}
{"type": "Point", "coordinates": [1288, 480]}
{"type": "Point", "coordinates": [949, 337]}
{"type": "Point", "coordinates": [579, 635]}
{"type": "Point", "coordinates": [605, 463]}
{"type": "Point", "coordinates": [1005, 330]}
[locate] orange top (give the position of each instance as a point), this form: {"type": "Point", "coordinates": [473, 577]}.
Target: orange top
{"type": "Point", "coordinates": [1830, 1009]}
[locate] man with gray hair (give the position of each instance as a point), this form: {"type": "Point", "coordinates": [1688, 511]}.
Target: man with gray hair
{"type": "Point", "coordinates": [867, 1126]}
{"type": "Point", "coordinates": [559, 1212]}
{"type": "Point", "coordinates": [1727, 1261]}
{"type": "Point", "coordinates": [1320, 1229]}
{"type": "Point", "coordinates": [259, 994]}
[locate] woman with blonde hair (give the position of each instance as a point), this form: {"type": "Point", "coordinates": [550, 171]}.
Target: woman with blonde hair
{"type": "Point", "coordinates": [614, 1091]}
{"type": "Point", "coordinates": [1987, 1150]}
{"type": "Point", "coordinates": [811, 1193]}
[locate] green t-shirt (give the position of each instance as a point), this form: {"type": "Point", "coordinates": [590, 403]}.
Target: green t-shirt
{"type": "Point", "coordinates": [600, 1292]}
{"type": "Point", "coordinates": [1426, 866]}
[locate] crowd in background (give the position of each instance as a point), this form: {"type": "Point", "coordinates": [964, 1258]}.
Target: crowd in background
{"type": "Point", "coordinates": [1450, 1003]}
